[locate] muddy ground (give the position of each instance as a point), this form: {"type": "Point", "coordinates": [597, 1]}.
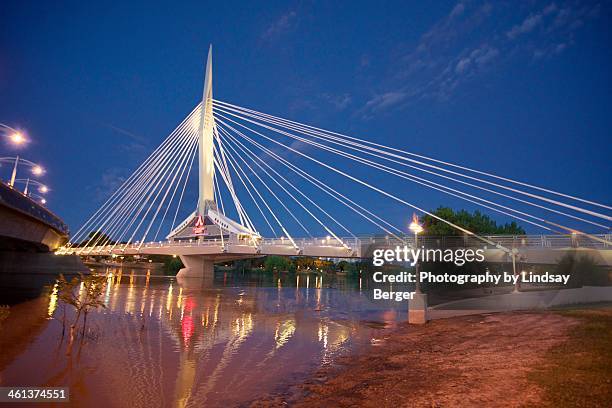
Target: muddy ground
{"type": "Point", "coordinates": [464, 361]}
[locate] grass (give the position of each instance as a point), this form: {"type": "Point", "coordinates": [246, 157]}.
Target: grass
{"type": "Point", "coordinates": [578, 373]}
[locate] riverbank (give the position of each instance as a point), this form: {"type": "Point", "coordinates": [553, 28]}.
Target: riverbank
{"type": "Point", "coordinates": [552, 358]}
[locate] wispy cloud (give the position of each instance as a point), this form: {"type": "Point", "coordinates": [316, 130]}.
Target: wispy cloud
{"type": "Point", "coordinates": [560, 26]}
{"type": "Point", "coordinates": [385, 100]}
{"type": "Point", "coordinates": [286, 22]}
{"type": "Point", "coordinates": [339, 102]}
{"type": "Point", "coordinates": [110, 181]}
{"type": "Point", "coordinates": [526, 26]}
{"type": "Point", "coordinates": [468, 42]}
{"type": "Point", "coordinates": [132, 143]}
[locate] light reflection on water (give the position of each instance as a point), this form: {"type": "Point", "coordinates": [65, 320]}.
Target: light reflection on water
{"type": "Point", "coordinates": [163, 342]}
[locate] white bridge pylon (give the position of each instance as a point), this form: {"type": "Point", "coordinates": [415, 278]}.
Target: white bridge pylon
{"type": "Point", "coordinates": [263, 166]}
{"type": "Point", "coordinates": [206, 220]}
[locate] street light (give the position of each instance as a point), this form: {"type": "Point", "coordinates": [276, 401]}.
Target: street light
{"type": "Point", "coordinates": [36, 169]}
{"type": "Point", "coordinates": [40, 198]}
{"type": "Point", "coordinates": [41, 187]}
{"type": "Point", "coordinates": [415, 226]}
{"type": "Point", "coordinates": [417, 229]}
{"type": "Point", "coordinates": [16, 137]}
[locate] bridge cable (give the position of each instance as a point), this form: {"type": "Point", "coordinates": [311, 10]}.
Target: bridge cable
{"type": "Point", "coordinates": [235, 165]}
{"type": "Point", "coordinates": [434, 173]}
{"type": "Point", "coordinates": [273, 194]}
{"type": "Point", "coordinates": [140, 183]}
{"type": "Point", "coordinates": [440, 188]}
{"type": "Point", "coordinates": [313, 128]}
{"type": "Point", "coordinates": [411, 178]}
{"type": "Point", "coordinates": [322, 186]}
{"type": "Point", "coordinates": [254, 158]}
{"type": "Point", "coordinates": [132, 209]}
{"type": "Point", "coordinates": [182, 193]}
{"type": "Point", "coordinates": [379, 190]}
{"type": "Point", "coordinates": [131, 179]}
{"type": "Point", "coordinates": [237, 170]}
{"type": "Point", "coordinates": [182, 164]}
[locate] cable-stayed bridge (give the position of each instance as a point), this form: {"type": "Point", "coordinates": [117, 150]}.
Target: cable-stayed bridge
{"type": "Point", "coordinates": [265, 182]}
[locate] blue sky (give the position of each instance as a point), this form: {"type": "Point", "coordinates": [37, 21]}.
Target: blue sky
{"type": "Point", "coordinates": [520, 89]}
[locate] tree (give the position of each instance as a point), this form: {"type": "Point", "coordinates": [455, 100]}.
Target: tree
{"type": "Point", "coordinates": [304, 262]}
{"type": "Point", "coordinates": [243, 265]}
{"type": "Point", "coordinates": [97, 238]}
{"type": "Point", "coordinates": [475, 222]}
{"type": "Point", "coordinates": [87, 297]}
{"type": "Point", "coordinates": [583, 271]}
{"type": "Point", "coordinates": [324, 264]}
{"type": "Point", "coordinates": [172, 265]}
{"type": "Point", "coordinates": [279, 263]}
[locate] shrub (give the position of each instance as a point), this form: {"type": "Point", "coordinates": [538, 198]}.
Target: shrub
{"type": "Point", "coordinates": [278, 263]}
{"type": "Point", "coordinates": [583, 271]}
{"type": "Point", "coordinates": [90, 297]}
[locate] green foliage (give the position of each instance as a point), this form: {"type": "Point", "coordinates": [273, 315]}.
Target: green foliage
{"type": "Point", "coordinates": [343, 266]}
{"type": "Point", "coordinates": [583, 271]}
{"type": "Point", "coordinates": [97, 238]}
{"type": "Point", "coordinates": [362, 267]}
{"type": "Point", "coordinates": [475, 222]}
{"type": "Point", "coordinates": [304, 262]}
{"type": "Point", "coordinates": [172, 265]}
{"type": "Point", "coordinates": [349, 267]}
{"type": "Point", "coordinates": [278, 263]}
{"type": "Point", "coordinates": [243, 265]}
{"type": "Point", "coordinates": [325, 265]}
{"type": "Point", "coordinates": [89, 297]}
{"type": "Point", "coordinates": [300, 263]}
{"type": "Point", "coordinates": [83, 293]}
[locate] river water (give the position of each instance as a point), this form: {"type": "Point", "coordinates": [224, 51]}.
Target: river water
{"type": "Point", "coordinates": [161, 342]}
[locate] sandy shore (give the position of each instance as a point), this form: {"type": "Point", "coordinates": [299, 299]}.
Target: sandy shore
{"type": "Point", "coordinates": [465, 361]}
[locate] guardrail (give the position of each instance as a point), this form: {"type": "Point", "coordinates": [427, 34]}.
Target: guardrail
{"type": "Point", "coordinates": [17, 201]}
{"type": "Point", "coordinates": [508, 241]}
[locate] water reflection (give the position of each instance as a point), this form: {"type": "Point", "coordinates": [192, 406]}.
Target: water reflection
{"type": "Point", "coordinates": [167, 342]}
{"type": "Point", "coordinates": [52, 300]}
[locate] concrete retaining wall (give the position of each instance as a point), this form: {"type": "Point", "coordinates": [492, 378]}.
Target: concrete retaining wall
{"type": "Point", "coordinates": [39, 263]}
{"type": "Point", "coordinates": [524, 300]}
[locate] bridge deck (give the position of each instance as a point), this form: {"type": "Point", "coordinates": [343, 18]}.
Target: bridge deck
{"type": "Point", "coordinates": [545, 248]}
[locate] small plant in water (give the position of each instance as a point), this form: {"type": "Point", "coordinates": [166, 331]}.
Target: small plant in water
{"type": "Point", "coordinates": [4, 312]}
{"type": "Point", "coordinates": [83, 293]}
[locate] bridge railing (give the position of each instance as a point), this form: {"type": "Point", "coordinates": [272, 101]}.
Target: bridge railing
{"type": "Point", "coordinates": [321, 241]}
{"type": "Point", "coordinates": [508, 241]}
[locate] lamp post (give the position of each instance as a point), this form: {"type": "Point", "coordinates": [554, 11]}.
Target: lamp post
{"type": "Point", "coordinates": [14, 173]}
{"type": "Point", "coordinates": [417, 305]}
{"type": "Point", "coordinates": [36, 169]}
{"type": "Point", "coordinates": [40, 198]}
{"type": "Point", "coordinates": [42, 188]}
{"type": "Point", "coordinates": [17, 139]}
{"type": "Point", "coordinates": [15, 136]}
{"type": "Point", "coordinates": [416, 228]}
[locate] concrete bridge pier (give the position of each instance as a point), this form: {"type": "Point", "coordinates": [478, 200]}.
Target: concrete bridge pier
{"type": "Point", "coordinates": [197, 266]}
